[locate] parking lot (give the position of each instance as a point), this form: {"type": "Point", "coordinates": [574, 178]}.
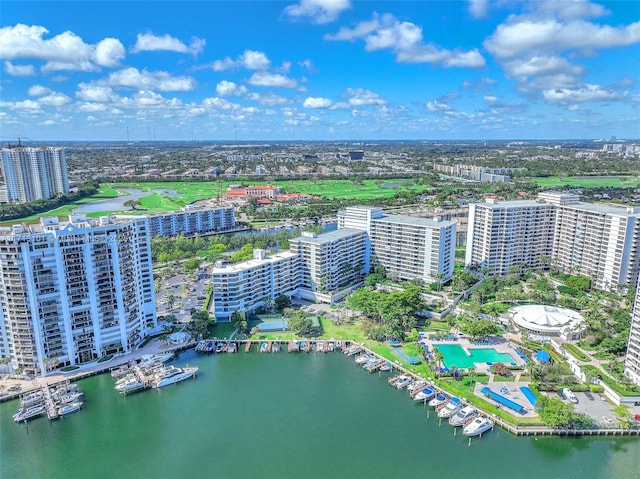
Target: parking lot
{"type": "Point", "coordinates": [599, 408]}
{"type": "Point", "coordinates": [184, 292]}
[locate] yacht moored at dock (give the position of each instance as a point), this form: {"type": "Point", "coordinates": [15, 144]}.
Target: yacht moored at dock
{"type": "Point", "coordinates": [149, 359]}
{"type": "Point", "coordinates": [69, 408]}
{"type": "Point", "coordinates": [425, 395]}
{"type": "Point", "coordinates": [26, 413]}
{"type": "Point", "coordinates": [452, 407]}
{"type": "Point", "coordinates": [463, 416]}
{"type": "Point", "coordinates": [438, 400]}
{"type": "Point", "coordinates": [172, 375]}
{"type": "Point", "coordinates": [477, 426]}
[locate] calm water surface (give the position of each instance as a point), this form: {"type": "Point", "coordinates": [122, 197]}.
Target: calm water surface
{"type": "Point", "coordinates": [283, 416]}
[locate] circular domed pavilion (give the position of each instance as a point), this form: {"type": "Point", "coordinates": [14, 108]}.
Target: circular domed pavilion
{"type": "Point", "coordinates": [548, 320]}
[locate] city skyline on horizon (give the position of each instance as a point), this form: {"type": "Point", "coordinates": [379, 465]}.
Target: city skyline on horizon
{"type": "Point", "coordinates": [319, 70]}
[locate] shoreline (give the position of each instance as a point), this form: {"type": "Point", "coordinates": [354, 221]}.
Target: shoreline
{"type": "Point", "coordinates": [102, 368]}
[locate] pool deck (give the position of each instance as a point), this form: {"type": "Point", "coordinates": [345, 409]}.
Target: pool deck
{"type": "Point", "coordinates": [501, 345]}
{"type": "Point", "coordinates": [514, 394]}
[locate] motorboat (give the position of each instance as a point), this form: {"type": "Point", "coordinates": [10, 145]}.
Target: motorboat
{"type": "Point", "coordinates": [172, 375]}
{"type": "Point", "coordinates": [331, 346]}
{"type": "Point", "coordinates": [130, 385]}
{"type": "Point", "coordinates": [364, 358]}
{"type": "Point", "coordinates": [386, 366]}
{"type": "Point", "coordinates": [220, 347]}
{"type": "Point", "coordinates": [370, 363]}
{"type": "Point", "coordinates": [70, 397]}
{"type": "Point", "coordinates": [425, 395]}
{"type": "Point", "coordinates": [403, 382]}
{"type": "Point", "coordinates": [452, 407]}
{"type": "Point", "coordinates": [31, 399]}
{"type": "Point", "coordinates": [568, 394]}
{"type": "Point", "coordinates": [320, 346]}
{"type": "Point", "coordinates": [149, 359]}
{"type": "Point", "coordinates": [477, 426]}
{"type": "Point", "coordinates": [439, 399]}
{"type": "Point", "coordinates": [275, 348]}
{"type": "Point", "coordinates": [69, 408]}
{"type": "Point", "coordinates": [303, 345]}
{"type": "Point", "coordinates": [416, 385]}
{"type": "Point", "coordinates": [232, 347]}
{"type": "Point", "coordinates": [26, 413]}
{"type": "Point", "coordinates": [463, 416]}
{"type": "Point", "coordinates": [353, 350]}
{"type": "Point", "coordinates": [120, 371]}
{"type": "Point", "coordinates": [263, 347]}
{"type": "Point", "coordinates": [373, 364]}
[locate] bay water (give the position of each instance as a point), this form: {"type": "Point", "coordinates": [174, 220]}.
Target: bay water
{"type": "Point", "coordinates": [284, 415]}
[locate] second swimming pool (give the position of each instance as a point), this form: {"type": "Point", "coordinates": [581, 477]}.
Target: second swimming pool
{"type": "Point", "coordinates": [454, 355]}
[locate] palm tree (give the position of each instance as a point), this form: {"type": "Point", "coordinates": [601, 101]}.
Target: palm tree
{"type": "Point", "coordinates": [439, 358]}
{"type": "Point", "coordinates": [7, 361]}
{"type": "Point", "coordinates": [471, 372]}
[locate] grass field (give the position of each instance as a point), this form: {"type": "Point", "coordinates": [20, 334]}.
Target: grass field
{"type": "Point", "coordinates": [588, 181]}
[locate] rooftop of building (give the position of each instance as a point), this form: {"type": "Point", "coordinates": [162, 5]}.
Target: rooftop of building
{"type": "Point", "coordinates": [51, 224]}
{"type": "Point", "coordinates": [222, 267]}
{"type": "Point", "coordinates": [414, 221]}
{"type": "Point", "coordinates": [329, 237]}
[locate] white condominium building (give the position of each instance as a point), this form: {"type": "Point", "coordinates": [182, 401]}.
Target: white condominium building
{"type": "Point", "coordinates": [74, 291]}
{"type": "Point", "coordinates": [330, 261]}
{"type": "Point", "coordinates": [414, 248]}
{"type": "Point", "coordinates": [599, 241]}
{"type": "Point", "coordinates": [632, 363]}
{"type": "Point", "coordinates": [502, 234]}
{"type": "Point", "coordinates": [30, 174]}
{"type": "Point", "coordinates": [249, 285]}
{"type": "Point", "coordinates": [407, 247]}
{"type": "Point", "coordinates": [190, 222]}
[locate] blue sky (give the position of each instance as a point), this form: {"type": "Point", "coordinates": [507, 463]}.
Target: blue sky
{"type": "Point", "coordinates": [319, 70]}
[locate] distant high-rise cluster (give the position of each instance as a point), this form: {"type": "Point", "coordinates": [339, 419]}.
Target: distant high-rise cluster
{"type": "Point", "coordinates": [557, 230]}
{"type": "Point", "coordinates": [30, 174]}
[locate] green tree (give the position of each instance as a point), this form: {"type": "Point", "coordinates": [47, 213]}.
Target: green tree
{"type": "Point", "coordinates": [554, 412]}
{"type": "Point", "coordinates": [299, 323]}
{"type": "Point", "coordinates": [282, 301]}
{"type": "Point", "coordinates": [132, 204]}
{"type": "Point", "coordinates": [191, 264]}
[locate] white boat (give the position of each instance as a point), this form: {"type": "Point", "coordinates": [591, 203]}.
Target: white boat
{"type": "Point", "coordinates": [26, 413]}
{"type": "Point", "coordinates": [69, 408]}
{"type": "Point", "coordinates": [149, 359]}
{"type": "Point", "coordinates": [131, 384]}
{"type": "Point", "coordinates": [320, 346]}
{"type": "Point", "coordinates": [416, 385]}
{"type": "Point", "coordinates": [172, 375]}
{"type": "Point", "coordinates": [31, 399]}
{"type": "Point", "coordinates": [439, 399]}
{"type": "Point", "coordinates": [425, 395]}
{"type": "Point", "coordinates": [386, 366]}
{"type": "Point", "coordinates": [363, 358]}
{"type": "Point", "coordinates": [452, 407]}
{"type": "Point", "coordinates": [220, 347]}
{"type": "Point", "coordinates": [568, 394]}
{"type": "Point", "coordinates": [463, 415]}
{"type": "Point", "coordinates": [477, 426]}
{"type": "Point", "coordinates": [70, 397]}
{"type": "Point", "coordinates": [403, 382]}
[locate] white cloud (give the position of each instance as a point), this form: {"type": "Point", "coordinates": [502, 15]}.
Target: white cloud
{"type": "Point", "coordinates": [96, 93]}
{"type": "Point", "coordinates": [19, 70]}
{"type": "Point", "coordinates": [362, 97]}
{"type": "Point", "coordinates": [520, 35]}
{"type": "Point", "coordinates": [588, 93]}
{"type": "Point", "coordinates": [405, 40]}
{"type": "Point", "coordinates": [146, 80]}
{"type": "Point", "coordinates": [318, 11]}
{"type": "Point", "coordinates": [55, 99]}
{"type": "Point", "coordinates": [437, 106]}
{"type": "Point", "coordinates": [109, 52]}
{"type": "Point", "coordinates": [66, 51]}
{"type": "Point", "coordinates": [148, 42]}
{"type": "Point", "coordinates": [268, 99]}
{"type": "Point", "coordinates": [227, 88]}
{"type": "Point", "coordinates": [219, 104]}
{"type": "Point", "coordinates": [272, 80]}
{"type": "Point", "coordinates": [573, 9]}
{"type": "Point", "coordinates": [317, 102]}
{"type": "Point", "coordinates": [38, 90]}
{"type": "Point", "coordinates": [250, 59]}
{"type": "Point", "coordinates": [478, 8]}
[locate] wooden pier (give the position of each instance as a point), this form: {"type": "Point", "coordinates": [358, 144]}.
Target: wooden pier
{"type": "Point", "coordinates": [247, 347]}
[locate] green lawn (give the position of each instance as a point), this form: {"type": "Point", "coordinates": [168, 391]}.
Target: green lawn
{"type": "Point", "coordinates": [587, 181]}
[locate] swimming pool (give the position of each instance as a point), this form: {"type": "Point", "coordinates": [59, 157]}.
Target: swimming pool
{"type": "Point", "coordinates": [454, 355]}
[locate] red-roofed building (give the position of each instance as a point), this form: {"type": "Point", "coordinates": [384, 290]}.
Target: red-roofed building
{"type": "Point", "coordinates": [258, 191]}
